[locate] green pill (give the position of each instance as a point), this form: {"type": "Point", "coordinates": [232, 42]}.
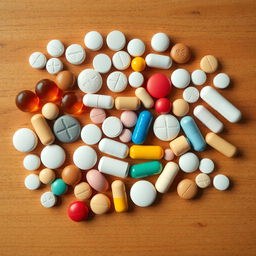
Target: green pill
{"type": "Point", "coordinates": [145, 169]}
{"type": "Point", "coordinates": [59, 187]}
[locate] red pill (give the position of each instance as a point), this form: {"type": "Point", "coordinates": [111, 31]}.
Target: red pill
{"type": "Point", "coordinates": [72, 103]}
{"type": "Point", "coordinates": [163, 106]}
{"type": "Point", "coordinates": [159, 85]}
{"type": "Point", "coordinates": [78, 211]}
{"type": "Point", "coordinates": [27, 101]}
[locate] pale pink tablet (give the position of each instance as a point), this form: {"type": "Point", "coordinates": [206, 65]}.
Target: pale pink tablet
{"type": "Point", "coordinates": [97, 180]}
{"type": "Point", "coordinates": [125, 136]}
{"type": "Point", "coordinates": [97, 115]}
{"type": "Point", "coordinates": [128, 118]}
{"type": "Point", "coordinates": [168, 154]}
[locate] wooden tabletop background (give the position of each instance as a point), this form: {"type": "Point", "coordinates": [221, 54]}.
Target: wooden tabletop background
{"type": "Point", "coordinates": [215, 223]}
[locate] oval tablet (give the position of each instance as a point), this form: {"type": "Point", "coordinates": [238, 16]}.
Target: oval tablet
{"type": "Point", "coordinates": [97, 180]}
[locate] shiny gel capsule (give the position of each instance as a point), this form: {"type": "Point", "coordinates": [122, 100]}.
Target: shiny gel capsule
{"type": "Point", "coordinates": [145, 169]}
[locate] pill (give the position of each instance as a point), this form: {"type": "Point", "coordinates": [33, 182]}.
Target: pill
{"type": "Point", "coordinates": [180, 78]}
{"type": "Point", "coordinates": [78, 211]}
{"type": "Point", "coordinates": [27, 101]}
{"type": "Point", "coordinates": [180, 107]}
{"type": "Point", "coordinates": [168, 154]}
{"type": "Point", "coordinates": [24, 140]}
{"type": "Point", "coordinates": [82, 191]}
{"type": "Point", "coordinates": [160, 42]}
{"type": "Point", "coordinates": [127, 103]}
{"type": "Point", "coordinates": [159, 85]}
{"type": "Point", "coordinates": [71, 175]}
{"type": "Point", "coordinates": [143, 193]}
{"type": "Point", "coordinates": [75, 54]}
{"type": "Point", "coordinates": [180, 145]}
{"type": "Point", "coordinates": [112, 127]}
{"type": "Point", "coordinates": [72, 103]}
{"type": "Point", "coordinates": [93, 40]}
{"type": "Point", "coordinates": [55, 48]}
{"type": "Point", "coordinates": [89, 81]}
{"type": "Point", "coordinates": [98, 101]}
{"type": "Point", "coordinates": [208, 119]}
{"type": "Point", "coordinates": [102, 63]}
{"type": "Point", "coordinates": [113, 148]}
{"type": "Point", "coordinates": [91, 134]}
{"type": "Point", "coordinates": [97, 115]}
{"type": "Point", "coordinates": [42, 129]}
{"type": "Point", "coordinates": [166, 178]}
{"type": "Point", "coordinates": [209, 64]}
{"type": "Point", "coordinates": [166, 127]}
{"type": "Point", "coordinates": [141, 129]}
{"type": "Point", "coordinates": [32, 181]}
{"type": "Point", "coordinates": [220, 104]}
{"type": "Point", "coordinates": [198, 77]}
{"type": "Point", "coordinates": [180, 53]}
{"type": "Point", "coordinates": [37, 60]}
{"type": "Point", "coordinates": [220, 144]}
{"type": "Point", "coordinates": [125, 136]}
{"type": "Point", "coordinates": [53, 156]}
{"type": "Point", "coordinates": [100, 204]}
{"type": "Point", "coordinates": [67, 129]}
{"type": "Point", "coordinates": [47, 90]}
{"type": "Point", "coordinates": [136, 79]}
{"type": "Point", "coordinates": [203, 180]}
{"type": "Point", "coordinates": [54, 66]}
{"type": "Point", "coordinates": [188, 162]}
{"type": "Point", "coordinates": [145, 169]}
{"type": "Point", "coordinates": [163, 106]}
{"type": "Point", "coordinates": [31, 162]}
{"type": "Point", "coordinates": [97, 180]}
{"type": "Point", "coordinates": [221, 81]}
{"type": "Point", "coordinates": [136, 47]}
{"type": "Point", "coordinates": [158, 61]}
{"type": "Point", "coordinates": [48, 199]}
{"type": "Point", "coordinates": [191, 94]}
{"type": "Point", "coordinates": [59, 187]}
{"type": "Point", "coordinates": [221, 182]}
{"type": "Point", "coordinates": [50, 111]}
{"type": "Point", "coordinates": [65, 80]}
{"type": "Point", "coordinates": [47, 176]}
{"type": "Point", "coordinates": [206, 165]}
{"type": "Point", "coordinates": [119, 196]}
{"type": "Point", "coordinates": [193, 133]}
{"type": "Point", "coordinates": [117, 81]}
{"type": "Point", "coordinates": [116, 40]}
{"type": "Point", "coordinates": [144, 97]}
{"type": "Point", "coordinates": [113, 167]}
{"type": "Point", "coordinates": [138, 64]}
{"type": "Point", "coordinates": [146, 152]}
{"type": "Point", "coordinates": [121, 60]}
{"type": "Point", "coordinates": [128, 118]}
{"type": "Point", "coordinates": [85, 157]}
{"type": "Point", "coordinates": [187, 189]}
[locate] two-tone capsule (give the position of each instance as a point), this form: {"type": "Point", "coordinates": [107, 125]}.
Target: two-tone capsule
{"type": "Point", "coordinates": [119, 196]}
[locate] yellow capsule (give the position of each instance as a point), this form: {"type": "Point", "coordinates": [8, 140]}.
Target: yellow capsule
{"type": "Point", "coordinates": [146, 152]}
{"type": "Point", "coordinates": [138, 64]}
{"type": "Point", "coordinates": [119, 196]}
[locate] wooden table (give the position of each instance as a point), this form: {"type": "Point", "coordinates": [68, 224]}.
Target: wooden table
{"type": "Point", "coordinates": [216, 223]}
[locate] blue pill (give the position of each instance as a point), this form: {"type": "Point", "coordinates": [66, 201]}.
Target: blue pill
{"type": "Point", "coordinates": [193, 133]}
{"type": "Point", "coordinates": [141, 129]}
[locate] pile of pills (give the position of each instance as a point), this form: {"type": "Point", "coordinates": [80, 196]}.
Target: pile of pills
{"type": "Point", "coordinates": [58, 98]}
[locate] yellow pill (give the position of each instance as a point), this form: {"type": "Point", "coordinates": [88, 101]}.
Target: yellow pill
{"type": "Point", "coordinates": [119, 196]}
{"type": "Point", "coordinates": [146, 152]}
{"type": "Point", "coordinates": [138, 64]}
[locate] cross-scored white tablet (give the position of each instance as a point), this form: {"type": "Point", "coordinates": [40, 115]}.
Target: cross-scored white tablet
{"type": "Point", "coordinates": [54, 66]}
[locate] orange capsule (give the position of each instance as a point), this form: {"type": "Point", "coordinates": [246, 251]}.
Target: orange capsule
{"type": "Point", "coordinates": [27, 101]}
{"type": "Point", "coordinates": [72, 103]}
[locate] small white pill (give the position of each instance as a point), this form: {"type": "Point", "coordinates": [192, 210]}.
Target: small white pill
{"type": "Point", "coordinates": [203, 180]}
{"type": "Point", "coordinates": [221, 81]}
{"type": "Point", "coordinates": [180, 78]}
{"type": "Point", "coordinates": [191, 94]}
{"type": "Point", "coordinates": [206, 166]}
{"type": "Point", "coordinates": [54, 66]}
{"type": "Point", "coordinates": [37, 60]}
{"type": "Point", "coordinates": [121, 60]}
{"type": "Point", "coordinates": [221, 182]}
{"type": "Point", "coordinates": [32, 181]}
{"type": "Point", "coordinates": [102, 63]}
{"type": "Point", "coordinates": [85, 157]}
{"type": "Point", "coordinates": [91, 134]}
{"type": "Point", "coordinates": [136, 79]}
{"type": "Point", "coordinates": [136, 47]}
{"type": "Point", "coordinates": [75, 54]}
{"type": "Point", "coordinates": [188, 162]}
{"type": "Point", "coordinates": [158, 61]}
{"type": "Point", "coordinates": [93, 40]}
{"type": "Point", "coordinates": [55, 48]}
{"type": "Point", "coordinates": [89, 81]}
{"type": "Point", "coordinates": [31, 162]}
{"type": "Point", "coordinates": [160, 42]}
{"type": "Point", "coordinates": [117, 81]}
{"type": "Point", "coordinates": [116, 40]}
{"type": "Point", "coordinates": [198, 77]}
{"type": "Point", "coordinates": [112, 127]}
{"type": "Point", "coordinates": [48, 199]}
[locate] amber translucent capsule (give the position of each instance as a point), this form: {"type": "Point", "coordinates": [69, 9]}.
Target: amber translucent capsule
{"type": "Point", "coordinates": [27, 101]}
{"type": "Point", "coordinates": [72, 103]}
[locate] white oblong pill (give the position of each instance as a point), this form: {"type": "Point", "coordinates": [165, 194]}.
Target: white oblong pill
{"type": "Point", "coordinates": [188, 162]}
{"type": "Point", "coordinates": [54, 66]}
{"type": "Point", "coordinates": [32, 181]}
{"type": "Point", "coordinates": [55, 48]}
{"type": "Point", "coordinates": [136, 79]}
{"type": "Point", "coordinates": [221, 182]}
{"type": "Point", "coordinates": [98, 101]}
{"type": "Point", "coordinates": [31, 162]}
{"type": "Point", "coordinates": [37, 60]}
{"type": "Point", "coordinates": [121, 60]}
{"type": "Point", "coordinates": [89, 81]}
{"type": "Point", "coordinates": [93, 40]}
{"type": "Point", "coordinates": [198, 77]}
{"type": "Point", "coordinates": [136, 47]}
{"type": "Point", "coordinates": [112, 127]}
{"type": "Point", "coordinates": [158, 61]}
{"type": "Point", "coordinates": [160, 42]}
{"type": "Point", "coordinates": [117, 81]}
{"type": "Point", "coordinates": [48, 199]}
{"type": "Point", "coordinates": [221, 81]}
{"type": "Point", "coordinates": [85, 157]}
{"type": "Point", "coordinates": [116, 40]}
{"type": "Point", "coordinates": [24, 140]}
{"type": "Point", "coordinates": [75, 54]}
{"type": "Point", "coordinates": [102, 63]}
{"type": "Point", "coordinates": [91, 134]}
{"type": "Point", "coordinates": [180, 78]}
{"type": "Point", "coordinates": [191, 94]}
{"type": "Point", "coordinates": [206, 165]}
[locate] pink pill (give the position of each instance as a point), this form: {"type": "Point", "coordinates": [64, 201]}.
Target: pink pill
{"type": "Point", "coordinates": [125, 136]}
{"type": "Point", "coordinates": [97, 180]}
{"type": "Point", "coordinates": [168, 154]}
{"type": "Point", "coordinates": [128, 118]}
{"type": "Point", "coordinates": [97, 115]}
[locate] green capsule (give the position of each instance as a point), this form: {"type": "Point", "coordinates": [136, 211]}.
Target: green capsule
{"type": "Point", "coordinates": [145, 169]}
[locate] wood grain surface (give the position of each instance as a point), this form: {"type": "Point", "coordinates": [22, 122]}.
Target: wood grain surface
{"type": "Point", "coordinates": [215, 223]}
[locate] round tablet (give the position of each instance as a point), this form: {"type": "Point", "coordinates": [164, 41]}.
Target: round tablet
{"type": "Point", "coordinates": [163, 105]}
{"type": "Point", "coordinates": [121, 60]}
{"type": "Point", "coordinates": [54, 66]}
{"type": "Point", "coordinates": [47, 176]}
{"type": "Point", "coordinates": [160, 42]}
{"type": "Point", "coordinates": [91, 134]}
{"type": "Point", "coordinates": [89, 81]}
{"type": "Point", "coordinates": [55, 48]}
{"type": "Point", "coordinates": [78, 211]}
{"type": "Point", "coordinates": [188, 162]}
{"type": "Point", "coordinates": [187, 189]}
{"type": "Point", "coordinates": [198, 77]}
{"type": "Point", "coordinates": [180, 53]}
{"type": "Point", "coordinates": [180, 107]}
{"type": "Point", "coordinates": [83, 191]}
{"type": "Point", "coordinates": [93, 40]}
{"type": "Point", "coordinates": [125, 136]}
{"type": "Point", "coordinates": [71, 175]}
{"type": "Point", "coordinates": [117, 81]}
{"type": "Point", "coordinates": [24, 140]}
{"type": "Point", "coordinates": [32, 182]}
{"type": "Point", "coordinates": [48, 199]}
{"type": "Point", "coordinates": [112, 127]}
{"type": "Point", "coordinates": [221, 182]}
{"type": "Point", "coordinates": [136, 47]}
{"type": "Point", "coordinates": [85, 157]}
{"type": "Point", "coordinates": [203, 180]}
{"type": "Point", "coordinates": [97, 180]}
{"type": "Point", "coordinates": [180, 78]}
{"type": "Point", "coordinates": [75, 54]}
{"type": "Point", "coordinates": [65, 80]}
{"type": "Point", "coordinates": [191, 94]}
{"type": "Point", "coordinates": [221, 81]}
{"type": "Point", "coordinates": [206, 165]}
{"type": "Point", "coordinates": [97, 115]}
{"type": "Point", "coordinates": [128, 118]}
{"type": "Point", "coordinates": [100, 204]}
{"type": "Point", "coordinates": [53, 156]}
{"type": "Point", "coordinates": [50, 111]}
{"type": "Point", "coordinates": [168, 154]}
{"type": "Point", "coordinates": [37, 60]}
{"type": "Point", "coordinates": [136, 79]}
{"type": "Point", "coordinates": [143, 193]}
{"type": "Point", "coordinates": [138, 64]}
{"type": "Point", "coordinates": [209, 64]}
{"type": "Point", "coordinates": [59, 187]}
{"type": "Point", "coordinates": [31, 162]}
{"type": "Point", "coordinates": [102, 63]}
{"type": "Point", "coordinates": [116, 40]}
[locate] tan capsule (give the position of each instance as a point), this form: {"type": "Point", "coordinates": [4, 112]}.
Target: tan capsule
{"type": "Point", "coordinates": [82, 191]}
{"type": "Point", "coordinates": [119, 196]}
{"type": "Point", "coordinates": [127, 103]}
{"type": "Point", "coordinates": [209, 64]}
{"type": "Point", "coordinates": [180, 145]}
{"type": "Point", "coordinates": [50, 111]}
{"type": "Point", "coordinates": [187, 189]}
{"type": "Point", "coordinates": [100, 204]}
{"type": "Point", "coordinates": [144, 97]}
{"type": "Point", "coordinates": [47, 176]}
{"type": "Point", "coordinates": [42, 129]}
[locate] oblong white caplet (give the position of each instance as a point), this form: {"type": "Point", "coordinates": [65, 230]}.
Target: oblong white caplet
{"type": "Point", "coordinates": [208, 119]}
{"type": "Point", "coordinates": [158, 61]}
{"type": "Point", "coordinates": [98, 101]}
{"type": "Point", "coordinates": [220, 104]}
{"type": "Point", "coordinates": [113, 148]}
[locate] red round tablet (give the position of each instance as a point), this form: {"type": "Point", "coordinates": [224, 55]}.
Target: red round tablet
{"type": "Point", "coordinates": [78, 211]}
{"type": "Point", "coordinates": [163, 106]}
{"type": "Point", "coordinates": [159, 85]}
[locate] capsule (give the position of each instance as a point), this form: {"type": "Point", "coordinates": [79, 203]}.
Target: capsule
{"type": "Point", "coordinates": [127, 103]}
{"type": "Point", "coordinates": [144, 97]}
{"type": "Point", "coordinates": [145, 169]}
{"type": "Point", "coordinates": [146, 152]}
{"type": "Point", "coordinates": [98, 101]}
{"type": "Point", "coordinates": [180, 145]}
{"type": "Point", "coordinates": [119, 196]}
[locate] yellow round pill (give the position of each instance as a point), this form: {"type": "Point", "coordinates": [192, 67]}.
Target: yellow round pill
{"type": "Point", "coordinates": [138, 64]}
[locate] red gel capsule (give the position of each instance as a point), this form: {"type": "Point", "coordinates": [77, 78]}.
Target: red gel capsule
{"type": "Point", "coordinates": [78, 211]}
{"type": "Point", "coordinates": [27, 101]}
{"type": "Point", "coordinates": [72, 103]}
{"type": "Point", "coordinates": [163, 106]}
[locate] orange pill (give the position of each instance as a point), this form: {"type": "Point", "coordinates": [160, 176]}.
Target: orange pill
{"type": "Point", "coordinates": [72, 103]}
{"type": "Point", "coordinates": [180, 53]}
{"type": "Point", "coordinates": [27, 101]}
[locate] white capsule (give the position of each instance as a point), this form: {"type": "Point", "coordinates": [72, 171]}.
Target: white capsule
{"type": "Point", "coordinates": [98, 101]}
{"type": "Point", "coordinates": [158, 61]}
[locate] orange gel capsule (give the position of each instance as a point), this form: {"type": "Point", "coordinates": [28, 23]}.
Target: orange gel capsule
{"type": "Point", "coordinates": [27, 101]}
{"type": "Point", "coordinates": [72, 103]}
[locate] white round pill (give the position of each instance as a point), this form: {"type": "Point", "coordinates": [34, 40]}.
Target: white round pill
{"type": "Point", "coordinates": [102, 63]}
{"type": "Point", "coordinates": [136, 47]}
{"type": "Point", "coordinates": [116, 40]}
{"type": "Point", "coordinates": [75, 54]}
{"type": "Point", "coordinates": [55, 48]}
{"type": "Point", "coordinates": [221, 81]}
{"type": "Point", "coordinates": [136, 79]}
{"type": "Point", "coordinates": [221, 182]}
{"type": "Point", "coordinates": [91, 134]}
{"type": "Point", "coordinates": [143, 193]}
{"type": "Point", "coordinates": [54, 66]}
{"type": "Point", "coordinates": [93, 40]}
{"type": "Point", "coordinates": [53, 156]}
{"type": "Point", "coordinates": [203, 180]}
{"type": "Point", "coordinates": [48, 199]}
{"type": "Point", "coordinates": [31, 162]}
{"type": "Point", "coordinates": [206, 165]}
{"type": "Point", "coordinates": [191, 94]}
{"type": "Point", "coordinates": [188, 162]}
{"type": "Point", "coordinates": [117, 81]}
{"type": "Point", "coordinates": [112, 127]}
{"type": "Point", "coordinates": [85, 157]}
{"type": "Point", "coordinates": [32, 181]}
{"type": "Point", "coordinates": [24, 140]}
{"type": "Point", "coordinates": [37, 60]}
{"type": "Point", "coordinates": [160, 42]}
{"type": "Point", "coordinates": [180, 78]}
{"type": "Point", "coordinates": [121, 60]}
{"type": "Point", "coordinates": [198, 77]}
{"type": "Point", "coordinates": [89, 81]}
